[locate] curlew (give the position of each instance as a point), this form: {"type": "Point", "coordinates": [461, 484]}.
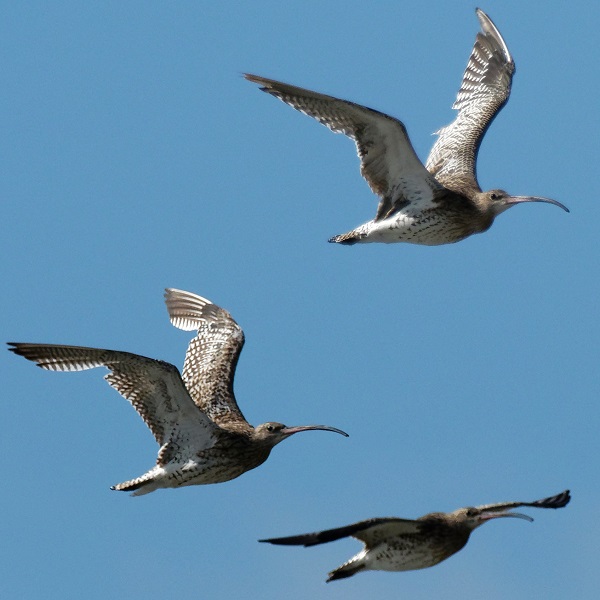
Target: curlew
{"type": "Point", "coordinates": [392, 544]}
{"type": "Point", "coordinates": [440, 203]}
{"type": "Point", "coordinates": [203, 436]}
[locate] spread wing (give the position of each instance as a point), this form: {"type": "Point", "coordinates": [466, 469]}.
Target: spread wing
{"type": "Point", "coordinates": [388, 160]}
{"type": "Point", "coordinates": [557, 501]}
{"type": "Point", "coordinates": [371, 532]}
{"type": "Point", "coordinates": [212, 355]}
{"type": "Point", "coordinates": [484, 91]}
{"type": "Point", "coordinates": [153, 387]}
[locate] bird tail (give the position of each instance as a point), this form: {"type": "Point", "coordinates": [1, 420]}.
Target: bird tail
{"type": "Point", "coordinates": [346, 570]}
{"type": "Point", "coordinates": [140, 485]}
{"type": "Point", "coordinates": [360, 234]}
{"type": "Point", "coordinates": [347, 239]}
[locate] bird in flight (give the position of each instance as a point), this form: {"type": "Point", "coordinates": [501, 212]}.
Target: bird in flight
{"type": "Point", "coordinates": [440, 203]}
{"type": "Point", "coordinates": [392, 544]}
{"type": "Point", "coordinates": [203, 436]}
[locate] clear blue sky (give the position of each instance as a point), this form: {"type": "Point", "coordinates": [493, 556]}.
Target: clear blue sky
{"type": "Point", "coordinates": [134, 157]}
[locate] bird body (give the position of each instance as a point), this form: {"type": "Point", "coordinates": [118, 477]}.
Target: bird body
{"type": "Point", "coordinates": [439, 203]}
{"type": "Point", "coordinates": [220, 462]}
{"type": "Point", "coordinates": [393, 544]}
{"type": "Point", "coordinates": [434, 538]}
{"type": "Point", "coordinates": [449, 218]}
{"type": "Point", "coordinates": [194, 417]}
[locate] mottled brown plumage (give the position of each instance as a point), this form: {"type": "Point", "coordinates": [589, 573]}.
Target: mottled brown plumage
{"type": "Point", "coordinates": [392, 544]}
{"type": "Point", "coordinates": [441, 203]}
{"type": "Point", "coordinates": [195, 419]}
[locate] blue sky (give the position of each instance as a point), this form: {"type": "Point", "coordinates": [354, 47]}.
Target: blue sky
{"type": "Point", "coordinates": [135, 157]}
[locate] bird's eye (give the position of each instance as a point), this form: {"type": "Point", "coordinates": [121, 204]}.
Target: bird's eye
{"type": "Point", "coordinates": [471, 512]}
{"type": "Point", "coordinates": [494, 196]}
{"type": "Point", "coordinates": [270, 428]}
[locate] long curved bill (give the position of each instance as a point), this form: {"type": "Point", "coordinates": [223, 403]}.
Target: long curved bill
{"type": "Point", "coordinates": [519, 199]}
{"type": "Point", "coordinates": [290, 430]}
{"type": "Point", "coordinates": [488, 516]}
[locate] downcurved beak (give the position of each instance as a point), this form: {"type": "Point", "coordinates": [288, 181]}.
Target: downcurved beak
{"type": "Point", "coordinates": [488, 516]}
{"type": "Point", "coordinates": [291, 430]}
{"type": "Point", "coordinates": [518, 199]}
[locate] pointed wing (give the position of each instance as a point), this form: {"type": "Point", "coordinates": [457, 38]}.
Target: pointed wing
{"type": "Point", "coordinates": [154, 388]}
{"type": "Point", "coordinates": [370, 532]}
{"type": "Point", "coordinates": [212, 355]}
{"type": "Point", "coordinates": [557, 501]}
{"type": "Point", "coordinates": [484, 91]}
{"type": "Point", "coordinates": [388, 160]}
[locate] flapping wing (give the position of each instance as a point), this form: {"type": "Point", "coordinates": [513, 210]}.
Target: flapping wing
{"type": "Point", "coordinates": [212, 355]}
{"type": "Point", "coordinates": [370, 532]}
{"type": "Point", "coordinates": [484, 91]}
{"type": "Point", "coordinates": [154, 388]}
{"type": "Point", "coordinates": [557, 501]}
{"type": "Point", "coordinates": [388, 160]}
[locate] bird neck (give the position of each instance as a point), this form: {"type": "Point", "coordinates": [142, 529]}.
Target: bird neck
{"type": "Point", "coordinates": [484, 209]}
{"type": "Point", "coordinates": [446, 530]}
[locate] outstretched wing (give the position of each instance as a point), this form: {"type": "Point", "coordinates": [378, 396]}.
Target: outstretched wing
{"type": "Point", "coordinates": [484, 91]}
{"type": "Point", "coordinates": [557, 501]}
{"type": "Point", "coordinates": [212, 355]}
{"type": "Point", "coordinates": [153, 387]}
{"type": "Point", "coordinates": [388, 160]}
{"type": "Point", "coordinates": [370, 532]}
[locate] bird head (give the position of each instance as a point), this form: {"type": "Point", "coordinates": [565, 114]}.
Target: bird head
{"type": "Point", "coordinates": [273, 433]}
{"type": "Point", "coordinates": [497, 201]}
{"type": "Point", "coordinates": [472, 517]}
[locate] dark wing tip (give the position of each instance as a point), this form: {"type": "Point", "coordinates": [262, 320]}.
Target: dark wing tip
{"type": "Point", "coordinates": [557, 501]}
{"type": "Point", "coordinates": [294, 540]}
{"type": "Point", "coordinates": [23, 349]}
{"type": "Point", "coordinates": [261, 81]}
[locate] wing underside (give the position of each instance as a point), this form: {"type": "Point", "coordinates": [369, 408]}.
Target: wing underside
{"type": "Point", "coordinates": [370, 532]}
{"type": "Point", "coordinates": [388, 161]}
{"type": "Point", "coordinates": [154, 388]}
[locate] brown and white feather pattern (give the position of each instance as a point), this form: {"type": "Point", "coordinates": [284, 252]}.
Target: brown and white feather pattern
{"type": "Point", "coordinates": [485, 89]}
{"type": "Point", "coordinates": [392, 544]}
{"type": "Point", "coordinates": [388, 160]}
{"type": "Point", "coordinates": [153, 387]}
{"type": "Point", "coordinates": [202, 434]}
{"type": "Point", "coordinates": [441, 203]}
{"type": "Point", "coordinates": [212, 356]}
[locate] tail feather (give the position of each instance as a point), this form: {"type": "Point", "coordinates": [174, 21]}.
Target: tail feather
{"type": "Point", "coordinates": [346, 570]}
{"type": "Point", "coordinates": [139, 486]}
{"type": "Point", "coordinates": [347, 239]}
{"type": "Point", "coordinates": [137, 489]}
